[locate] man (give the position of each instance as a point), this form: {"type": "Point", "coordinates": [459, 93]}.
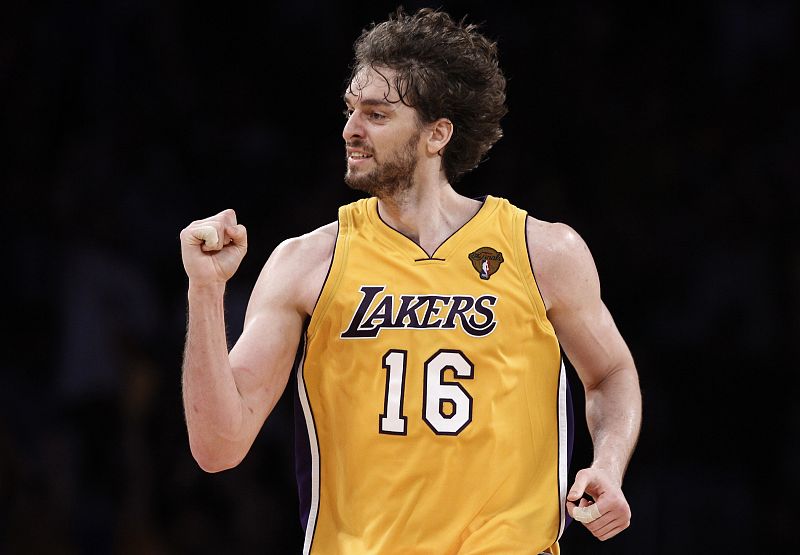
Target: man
{"type": "Point", "coordinates": [431, 387]}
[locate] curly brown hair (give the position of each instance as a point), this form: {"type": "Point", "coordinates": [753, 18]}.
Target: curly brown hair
{"type": "Point", "coordinates": [443, 69]}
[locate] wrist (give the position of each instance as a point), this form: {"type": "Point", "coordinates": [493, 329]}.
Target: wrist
{"type": "Point", "coordinates": [206, 291]}
{"type": "Point", "coordinates": [613, 471]}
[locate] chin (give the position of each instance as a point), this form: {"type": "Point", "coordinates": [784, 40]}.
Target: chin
{"type": "Point", "coordinates": [383, 182]}
{"type": "Point", "coordinates": [361, 182]}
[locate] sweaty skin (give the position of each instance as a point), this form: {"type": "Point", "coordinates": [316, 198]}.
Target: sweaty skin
{"type": "Point", "coordinates": [228, 396]}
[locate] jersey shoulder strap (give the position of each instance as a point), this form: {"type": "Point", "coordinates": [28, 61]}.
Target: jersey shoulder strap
{"type": "Point", "coordinates": [348, 215]}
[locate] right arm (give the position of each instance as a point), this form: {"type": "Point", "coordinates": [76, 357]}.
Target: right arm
{"type": "Point", "coordinates": [228, 396]}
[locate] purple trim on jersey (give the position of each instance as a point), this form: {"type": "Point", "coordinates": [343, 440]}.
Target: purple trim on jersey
{"type": "Point", "coordinates": [328, 274]}
{"type": "Point", "coordinates": [302, 446]}
{"type": "Point", "coordinates": [432, 256]}
{"type": "Point", "coordinates": [570, 426]}
{"type": "Point", "coordinates": [570, 443]}
{"type": "Point", "coordinates": [536, 281]}
{"type": "Point", "coordinates": [302, 460]}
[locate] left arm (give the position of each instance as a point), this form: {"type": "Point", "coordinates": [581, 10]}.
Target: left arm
{"type": "Point", "coordinates": [570, 286]}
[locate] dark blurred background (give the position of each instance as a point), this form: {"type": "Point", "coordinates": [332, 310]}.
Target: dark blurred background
{"type": "Point", "coordinates": [667, 135]}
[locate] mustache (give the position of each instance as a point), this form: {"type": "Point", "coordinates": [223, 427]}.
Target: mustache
{"type": "Point", "coordinates": [359, 144]}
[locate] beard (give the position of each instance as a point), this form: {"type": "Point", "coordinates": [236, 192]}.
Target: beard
{"type": "Point", "coordinates": [389, 177]}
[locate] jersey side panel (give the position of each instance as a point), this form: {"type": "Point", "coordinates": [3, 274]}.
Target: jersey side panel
{"type": "Point", "coordinates": [564, 403]}
{"type": "Point", "coordinates": [307, 455]}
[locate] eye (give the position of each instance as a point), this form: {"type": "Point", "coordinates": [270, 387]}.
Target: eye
{"type": "Point", "coordinates": [377, 116]}
{"type": "Point", "coordinates": [347, 112]}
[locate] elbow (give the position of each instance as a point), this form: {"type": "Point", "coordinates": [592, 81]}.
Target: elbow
{"type": "Point", "coordinates": [615, 377]}
{"type": "Point", "coordinates": [213, 460]}
{"type": "Point", "coordinates": [213, 466]}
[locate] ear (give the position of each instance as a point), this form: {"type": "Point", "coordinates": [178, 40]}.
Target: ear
{"type": "Point", "coordinates": [440, 132]}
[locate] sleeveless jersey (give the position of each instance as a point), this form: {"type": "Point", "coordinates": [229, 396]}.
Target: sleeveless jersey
{"type": "Point", "coordinates": [433, 394]}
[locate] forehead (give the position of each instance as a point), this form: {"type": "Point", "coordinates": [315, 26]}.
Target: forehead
{"type": "Point", "coordinates": [373, 84]}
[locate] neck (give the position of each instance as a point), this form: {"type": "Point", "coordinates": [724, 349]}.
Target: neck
{"type": "Point", "coordinates": [427, 213]}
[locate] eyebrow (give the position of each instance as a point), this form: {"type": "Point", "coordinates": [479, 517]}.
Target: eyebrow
{"type": "Point", "coordinates": [368, 101]}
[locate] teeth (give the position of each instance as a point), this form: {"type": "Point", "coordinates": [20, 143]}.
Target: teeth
{"type": "Point", "coordinates": [359, 155]}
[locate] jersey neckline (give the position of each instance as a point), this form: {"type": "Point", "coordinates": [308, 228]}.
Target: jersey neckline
{"type": "Point", "coordinates": [445, 250]}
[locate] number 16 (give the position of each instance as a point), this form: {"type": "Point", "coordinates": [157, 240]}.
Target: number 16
{"type": "Point", "coordinates": [437, 393]}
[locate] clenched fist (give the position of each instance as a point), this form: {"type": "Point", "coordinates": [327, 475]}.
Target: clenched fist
{"type": "Point", "coordinates": [212, 249]}
{"type": "Point", "coordinates": [609, 514]}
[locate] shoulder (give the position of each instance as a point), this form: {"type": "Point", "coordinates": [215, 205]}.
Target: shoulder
{"type": "Point", "coordinates": [296, 269]}
{"type": "Point", "coordinates": [562, 263]}
{"type": "Point", "coordinates": [309, 249]}
{"type": "Point", "coordinates": [552, 241]}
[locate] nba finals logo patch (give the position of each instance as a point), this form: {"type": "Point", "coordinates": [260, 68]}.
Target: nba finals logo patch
{"type": "Point", "coordinates": [486, 261]}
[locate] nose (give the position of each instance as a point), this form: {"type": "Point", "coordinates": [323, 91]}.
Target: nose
{"type": "Point", "coordinates": [352, 128]}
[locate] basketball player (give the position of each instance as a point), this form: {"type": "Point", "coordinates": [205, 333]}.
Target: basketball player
{"type": "Point", "coordinates": [431, 393]}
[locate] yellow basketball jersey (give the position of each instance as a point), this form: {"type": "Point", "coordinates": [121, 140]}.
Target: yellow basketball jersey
{"type": "Point", "coordinates": [433, 393]}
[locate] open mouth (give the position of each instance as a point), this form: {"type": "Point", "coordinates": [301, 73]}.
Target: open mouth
{"type": "Point", "coordinates": [359, 156]}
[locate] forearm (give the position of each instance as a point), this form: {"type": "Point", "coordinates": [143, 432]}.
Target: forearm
{"type": "Point", "coordinates": [212, 402]}
{"type": "Point", "coordinates": [613, 415]}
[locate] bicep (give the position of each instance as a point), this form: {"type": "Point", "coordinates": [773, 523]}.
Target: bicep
{"type": "Point", "coordinates": [591, 340]}
{"type": "Point", "coordinates": [583, 324]}
{"type": "Point", "coordinates": [262, 357]}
